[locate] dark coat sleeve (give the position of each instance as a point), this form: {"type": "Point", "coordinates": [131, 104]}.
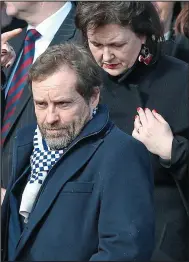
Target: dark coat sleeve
{"type": "Point", "coordinates": [178, 165]}
{"type": "Point", "coordinates": [179, 157]}
{"type": "Point", "coordinates": [126, 223]}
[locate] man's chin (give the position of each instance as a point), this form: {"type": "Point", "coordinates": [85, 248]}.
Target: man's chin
{"type": "Point", "coordinates": [56, 144]}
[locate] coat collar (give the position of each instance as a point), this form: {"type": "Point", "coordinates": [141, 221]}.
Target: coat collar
{"type": "Point", "coordinates": [134, 75]}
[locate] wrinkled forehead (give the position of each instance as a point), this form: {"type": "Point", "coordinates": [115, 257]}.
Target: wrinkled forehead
{"type": "Point", "coordinates": [61, 83]}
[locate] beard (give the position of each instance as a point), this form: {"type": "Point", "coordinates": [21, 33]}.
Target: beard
{"type": "Point", "coordinates": [58, 136]}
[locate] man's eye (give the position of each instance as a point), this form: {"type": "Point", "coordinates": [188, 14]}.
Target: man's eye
{"type": "Point", "coordinates": [63, 104]}
{"type": "Point", "coordinates": [97, 44]}
{"type": "Point", "coordinates": [40, 104]}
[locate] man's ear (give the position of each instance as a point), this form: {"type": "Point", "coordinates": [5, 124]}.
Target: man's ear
{"type": "Point", "coordinates": [94, 100]}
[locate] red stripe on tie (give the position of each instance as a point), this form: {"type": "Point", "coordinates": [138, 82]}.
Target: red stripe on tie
{"type": "Point", "coordinates": [17, 96]}
{"type": "Point", "coordinates": [24, 65]}
{"type": "Point", "coordinates": [23, 78]}
{"type": "Point", "coordinates": [6, 126]}
{"type": "Point", "coordinates": [9, 115]}
{"type": "Point", "coordinates": [28, 48]}
{"type": "Point", "coordinates": [2, 141]}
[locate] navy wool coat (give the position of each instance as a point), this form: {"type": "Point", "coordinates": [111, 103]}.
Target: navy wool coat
{"type": "Point", "coordinates": [95, 204]}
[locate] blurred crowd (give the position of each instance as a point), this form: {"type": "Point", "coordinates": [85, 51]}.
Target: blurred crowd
{"type": "Point", "coordinates": [142, 50]}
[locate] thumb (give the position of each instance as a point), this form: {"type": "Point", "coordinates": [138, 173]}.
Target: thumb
{"type": "Point", "coordinates": [8, 35]}
{"type": "Point", "coordinates": [158, 116]}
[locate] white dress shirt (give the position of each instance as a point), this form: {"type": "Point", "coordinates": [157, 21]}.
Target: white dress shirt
{"type": "Point", "coordinates": [48, 28]}
{"type": "Point", "coordinates": [167, 35]}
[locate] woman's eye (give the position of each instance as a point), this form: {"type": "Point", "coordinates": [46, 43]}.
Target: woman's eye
{"type": "Point", "coordinates": [118, 45]}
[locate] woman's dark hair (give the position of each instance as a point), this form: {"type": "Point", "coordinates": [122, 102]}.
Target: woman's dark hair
{"type": "Point", "coordinates": [141, 17]}
{"type": "Point", "coordinates": [182, 21]}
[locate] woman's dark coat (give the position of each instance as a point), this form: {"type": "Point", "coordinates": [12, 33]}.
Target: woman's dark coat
{"type": "Point", "coordinates": [164, 87]}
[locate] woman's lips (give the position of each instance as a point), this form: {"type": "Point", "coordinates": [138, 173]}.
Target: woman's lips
{"type": "Point", "coordinates": [110, 66]}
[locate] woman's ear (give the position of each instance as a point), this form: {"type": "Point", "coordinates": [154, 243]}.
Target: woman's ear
{"type": "Point", "coordinates": [143, 39]}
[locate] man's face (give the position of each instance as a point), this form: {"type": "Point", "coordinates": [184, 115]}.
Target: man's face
{"type": "Point", "coordinates": [60, 110]}
{"type": "Point", "coordinates": [20, 9]}
{"type": "Point", "coordinates": [114, 48]}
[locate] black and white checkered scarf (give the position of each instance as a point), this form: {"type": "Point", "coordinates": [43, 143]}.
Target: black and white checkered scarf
{"type": "Point", "coordinates": [42, 160]}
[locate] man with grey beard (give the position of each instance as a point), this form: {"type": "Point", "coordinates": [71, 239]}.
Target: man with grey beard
{"type": "Point", "coordinates": [81, 188]}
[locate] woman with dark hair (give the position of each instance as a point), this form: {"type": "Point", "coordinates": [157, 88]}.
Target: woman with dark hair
{"type": "Point", "coordinates": [147, 95]}
{"type": "Point", "coordinates": [182, 21]}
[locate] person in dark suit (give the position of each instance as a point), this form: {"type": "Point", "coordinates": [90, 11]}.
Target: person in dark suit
{"type": "Point", "coordinates": [147, 95]}
{"type": "Point", "coordinates": [81, 188]}
{"type": "Point", "coordinates": [176, 45]}
{"type": "Point", "coordinates": [53, 23]}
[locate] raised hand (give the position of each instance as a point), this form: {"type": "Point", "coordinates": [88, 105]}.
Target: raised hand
{"type": "Point", "coordinates": [7, 52]}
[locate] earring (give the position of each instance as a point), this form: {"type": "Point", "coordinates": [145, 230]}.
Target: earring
{"type": "Point", "coordinates": [145, 56]}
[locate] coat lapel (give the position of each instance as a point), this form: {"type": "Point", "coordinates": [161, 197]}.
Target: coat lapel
{"type": "Point", "coordinates": [67, 30]}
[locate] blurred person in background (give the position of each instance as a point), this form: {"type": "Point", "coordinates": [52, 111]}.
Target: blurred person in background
{"type": "Point", "coordinates": [168, 12]}
{"type": "Point", "coordinates": [49, 23]}
{"type": "Point", "coordinates": [182, 21]}
{"type": "Point", "coordinates": [174, 45]}
{"type": "Point", "coordinates": [9, 23]}
{"type": "Point", "coordinates": [147, 95]}
{"type": "Point", "coordinates": [181, 47]}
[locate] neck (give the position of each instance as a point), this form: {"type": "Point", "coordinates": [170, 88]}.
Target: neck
{"type": "Point", "coordinates": [44, 10]}
{"type": "Point", "coordinates": [167, 25]}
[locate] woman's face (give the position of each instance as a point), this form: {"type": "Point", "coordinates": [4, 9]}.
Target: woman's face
{"type": "Point", "coordinates": [114, 48]}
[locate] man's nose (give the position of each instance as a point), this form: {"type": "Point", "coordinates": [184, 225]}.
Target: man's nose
{"type": "Point", "coordinates": [52, 117]}
{"type": "Point", "coordinates": [107, 55]}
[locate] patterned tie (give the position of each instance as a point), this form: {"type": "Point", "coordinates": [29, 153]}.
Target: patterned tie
{"type": "Point", "coordinates": [19, 80]}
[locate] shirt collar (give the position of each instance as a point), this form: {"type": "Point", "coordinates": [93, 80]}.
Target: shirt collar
{"type": "Point", "coordinates": [50, 26]}
{"type": "Point", "coordinates": [167, 35]}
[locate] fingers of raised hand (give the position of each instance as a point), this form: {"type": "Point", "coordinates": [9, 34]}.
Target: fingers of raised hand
{"type": "Point", "coordinates": [137, 124]}
{"type": "Point", "coordinates": [8, 35]}
{"type": "Point", "coordinates": [142, 116]}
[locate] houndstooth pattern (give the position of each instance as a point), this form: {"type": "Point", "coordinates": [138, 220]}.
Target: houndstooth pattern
{"type": "Point", "coordinates": [42, 161]}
